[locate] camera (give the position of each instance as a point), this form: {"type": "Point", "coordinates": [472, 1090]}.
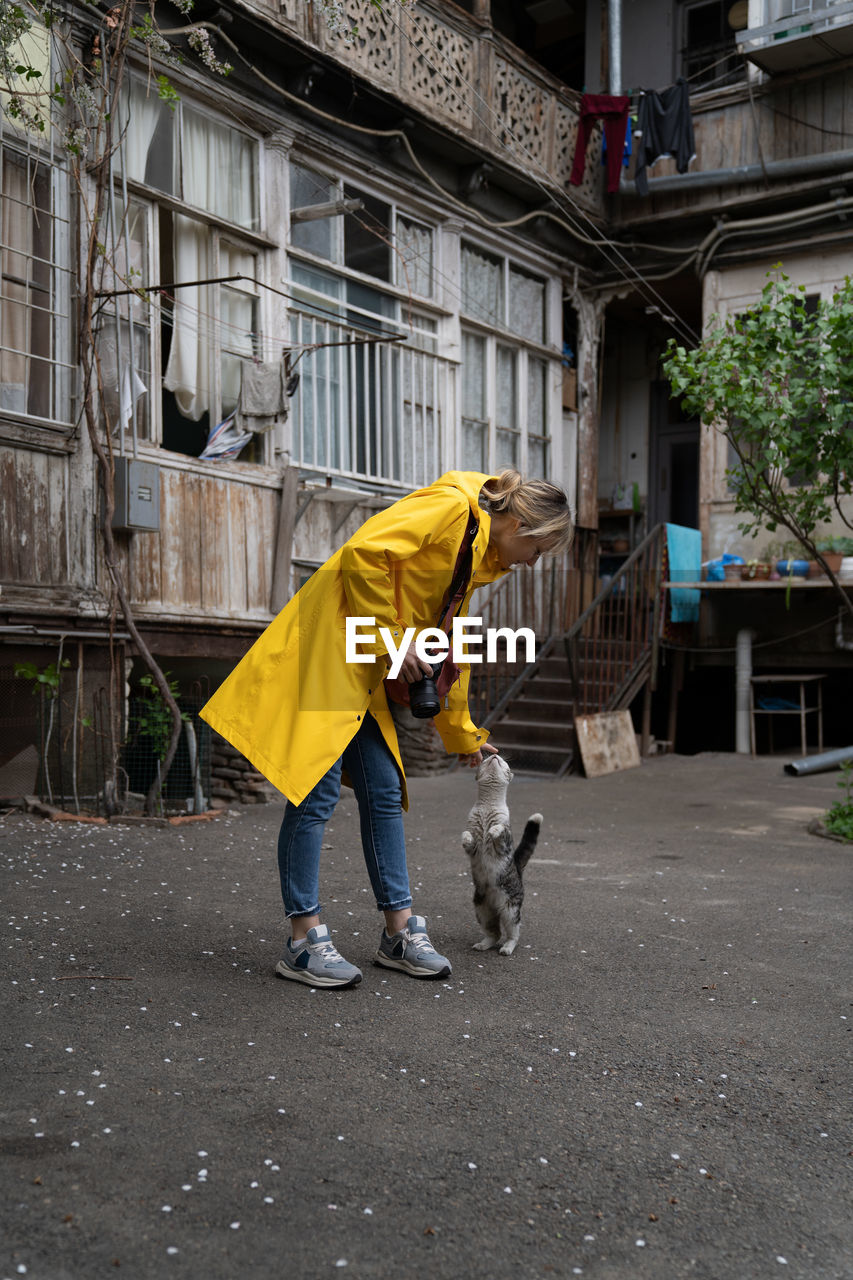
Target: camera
{"type": "Point", "coordinates": [424, 701]}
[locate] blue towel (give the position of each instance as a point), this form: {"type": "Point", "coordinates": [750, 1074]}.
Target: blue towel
{"type": "Point", "coordinates": [685, 565]}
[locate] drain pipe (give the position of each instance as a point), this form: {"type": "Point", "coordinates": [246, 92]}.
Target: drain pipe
{"type": "Point", "coordinates": [820, 764]}
{"type": "Point", "coordinates": [614, 46]}
{"type": "Point", "coordinates": [743, 745]}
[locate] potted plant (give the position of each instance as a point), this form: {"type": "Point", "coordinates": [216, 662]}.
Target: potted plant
{"type": "Point", "coordinates": [755, 570]}
{"type": "Point", "coordinates": [834, 550]}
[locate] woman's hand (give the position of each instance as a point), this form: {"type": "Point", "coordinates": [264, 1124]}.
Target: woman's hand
{"type": "Point", "coordinates": [412, 668]}
{"type": "Point", "coordinates": [476, 758]}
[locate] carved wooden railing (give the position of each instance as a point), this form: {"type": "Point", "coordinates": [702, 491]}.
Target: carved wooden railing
{"type": "Point", "coordinates": [462, 75]}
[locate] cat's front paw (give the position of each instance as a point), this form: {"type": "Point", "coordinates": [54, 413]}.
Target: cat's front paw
{"type": "Point", "coordinates": [537, 818]}
{"type": "Point", "coordinates": [485, 944]}
{"type": "Point", "coordinates": [467, 842]}
{"type": "Point", "coordinates": [508, 947]}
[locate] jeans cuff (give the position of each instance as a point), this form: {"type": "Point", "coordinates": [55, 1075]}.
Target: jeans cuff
{"type": "Point", "coordinates": [394, 906]}
{"type": "Point", "coordinates": [295, 915]}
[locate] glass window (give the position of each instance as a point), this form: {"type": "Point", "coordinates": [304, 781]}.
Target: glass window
{"type": "Point", "coordinates": [475, 424]}
{"type": "Point", "coordinates": [186, 153]}
{"type": "Point", "coordinates": [482, 286]}
{"type": "Point", "coordinates": [35, 369]}
{"type": "Point", "coordinates": [367, 236]}
{"type": "Point", "coordinates": [527, 305]}
{"type": "Point", "coordinates": [318, 235]}
{"type": "Point", "coordinates": [414, 257]}
{"type": "Point", "coordinates": [506, 409]}
{"type": "Point", "coordinates": [538, 443]}
{"type": "Point", "coordinates": [124, 337]}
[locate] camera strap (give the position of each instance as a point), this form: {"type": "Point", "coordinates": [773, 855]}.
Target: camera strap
{"type": "Point", "coordinates": [462, 571]}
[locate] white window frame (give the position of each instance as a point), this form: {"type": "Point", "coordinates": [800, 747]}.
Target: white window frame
{"type": "Point", "coordinates": [40, 151]}
{"type": "Point", "coordinates": [501, 335]}
{"type": "Point", "coordinates": [244, 239]}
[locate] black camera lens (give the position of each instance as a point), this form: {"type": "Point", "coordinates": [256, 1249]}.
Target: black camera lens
{"type": "Point", "coordinates": [424, 701]}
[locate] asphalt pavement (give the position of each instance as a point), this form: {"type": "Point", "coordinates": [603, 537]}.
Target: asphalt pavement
{"type": "Point", "coordinates": [657, 1083]}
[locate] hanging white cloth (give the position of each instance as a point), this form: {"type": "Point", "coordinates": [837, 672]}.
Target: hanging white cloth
{"type": "Point", "coordinates": [188, 371]}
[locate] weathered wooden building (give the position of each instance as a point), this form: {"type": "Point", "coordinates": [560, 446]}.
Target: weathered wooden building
{"type": "Point", "coordinates": [387, 219]}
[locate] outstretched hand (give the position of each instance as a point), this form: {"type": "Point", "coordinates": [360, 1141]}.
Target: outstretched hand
{"type": "Point", "coordinates": [475, 758]}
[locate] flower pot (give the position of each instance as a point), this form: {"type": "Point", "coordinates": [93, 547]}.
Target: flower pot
{"type": "Point", "coordinates": [732, 571]}
{"type": "Point", "coordinates": [833, 559]}
{"type": "Point", "coordinates": [755, 572]}
{"type": "Point", "coordinates": [792, 568]}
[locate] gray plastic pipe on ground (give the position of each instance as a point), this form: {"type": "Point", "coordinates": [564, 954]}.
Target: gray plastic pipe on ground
{"type": "Point", "coordinates": [820, 764]}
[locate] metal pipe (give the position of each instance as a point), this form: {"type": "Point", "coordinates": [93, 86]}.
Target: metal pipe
{"type": "Point", "coordinates": [820, 764]}
{"type": "Point", "coordinates": [743, 677]}
{"type": "Point", "coordinates": [614, 42]}
{"type": "Point", "coordinates": [826, 162]}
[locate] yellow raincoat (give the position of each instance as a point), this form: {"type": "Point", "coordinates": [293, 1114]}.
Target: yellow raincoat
{"type": "Point", "coordinates": [293, 703]}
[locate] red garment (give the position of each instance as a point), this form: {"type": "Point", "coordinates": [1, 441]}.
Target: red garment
{"type": "Point", "coordinates": [614, 113]}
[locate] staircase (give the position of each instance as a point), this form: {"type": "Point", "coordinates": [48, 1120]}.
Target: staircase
{"type": "Point", "coordinates": [599, 662]}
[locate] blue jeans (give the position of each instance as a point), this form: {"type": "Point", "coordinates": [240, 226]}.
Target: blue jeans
{"type": "Point", "coordinates": [376, 782]}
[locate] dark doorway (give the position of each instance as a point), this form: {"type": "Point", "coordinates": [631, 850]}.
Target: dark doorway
{"type": "Point", "coordinates": [673, 462]}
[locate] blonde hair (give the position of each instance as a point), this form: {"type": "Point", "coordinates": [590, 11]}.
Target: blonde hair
{"type": "Point", "coordinates": [541, 508]}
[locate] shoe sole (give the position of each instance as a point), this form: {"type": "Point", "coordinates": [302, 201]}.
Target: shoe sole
{"type": "Point", "coordinates": [389, 962]}
{"type": "Point", "coordinates": [312, 980]}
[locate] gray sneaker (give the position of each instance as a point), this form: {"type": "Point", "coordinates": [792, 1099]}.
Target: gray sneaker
{"type": "Point", "coordinates": [317, 962]}
{"type": "Point", "coordinates": [412, 951]}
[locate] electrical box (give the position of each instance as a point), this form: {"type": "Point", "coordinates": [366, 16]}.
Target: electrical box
{"type": "Point", "coordinates": [137, 494]}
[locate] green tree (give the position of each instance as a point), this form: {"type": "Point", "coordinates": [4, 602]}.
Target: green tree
{"type": "Point", "coordinates": [777, 381]}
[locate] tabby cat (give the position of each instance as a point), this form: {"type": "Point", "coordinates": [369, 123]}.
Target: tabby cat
{"type": "Point", "coordinates": [495, 866]}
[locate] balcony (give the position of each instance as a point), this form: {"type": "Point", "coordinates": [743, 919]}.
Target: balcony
{"type": "Point", "coordinates": [464, 77]}
{"type": "Point", "coordinates": [799, 34]}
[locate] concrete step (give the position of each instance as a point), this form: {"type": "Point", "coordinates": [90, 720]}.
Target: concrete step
{"type": "Point", "coordinates": [544, 732]}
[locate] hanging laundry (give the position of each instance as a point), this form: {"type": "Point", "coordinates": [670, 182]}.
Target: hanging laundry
{"type": "Point", "coordinates": [627, 150]}
{"type": "Point", "coordinates": [262, 395]}
{"type": "Point", "coordinates": [614, 113]}
{"type": "Point", "coordinates": [261, 392]}
{"type": "Point", "coordinates": [225, 441]}
{"type": "Point", "coordinates": [666, 127]}
{"type": "Point", "coordinates": [132, 387]}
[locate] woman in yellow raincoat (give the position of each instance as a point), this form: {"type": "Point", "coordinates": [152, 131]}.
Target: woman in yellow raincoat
{"type": "Point", "coordinates": [308, 718]}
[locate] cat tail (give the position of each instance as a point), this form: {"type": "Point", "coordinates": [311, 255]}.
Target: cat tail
{"type": "Point", "coordinates": [527, 843]}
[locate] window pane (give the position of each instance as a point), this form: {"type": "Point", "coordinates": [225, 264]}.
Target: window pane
{"type": "Point", "coordinates": [126, 367]}
{"type": "Point", "coordinates": [320, 235]}
{"type": "Point", "coordinates": [149, 152]}
{"type": "Point", "coordinates": [527, 305]}
{"type": "Point", "coordinates": [219, 167]}
{"type": "Point", "coordinates": [369, 308]}
{"type": "Point", "coordinates": [414, 257]}
{"type": "Point", "coordinates": [482, 286]}
{"type": "Point", "coordinates": [238, 315]}
{"type": "Point", "coordinates": [367, 236]}
{"type": "Point", "coordinates": [475, 429]}
{"type": "Point", "coordinates": [320, 289]}
{"type": "Point", "coordinates": [538, 444]}
{"type": "Point", "coordinates": [506, 410]}
{"type": "Point", "coordinates": [126, 375]}
{"type": "Point", "coordinates": [33, 302]}
{"type": "Point", "coordinates": [507, 401]}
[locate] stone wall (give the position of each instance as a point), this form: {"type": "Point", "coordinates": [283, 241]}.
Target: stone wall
{"type": "Point", "coordinates": [233, 780]}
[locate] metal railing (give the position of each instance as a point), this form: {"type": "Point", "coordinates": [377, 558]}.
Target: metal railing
{"type": "Point", "coordinates": [545, 599]}
{"type": "Point", "coordinates": [611, 644]}
{"type": "Point", "coordinates": [612, 647]}
{"type": "Point", "coordinates": [374, 409]}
